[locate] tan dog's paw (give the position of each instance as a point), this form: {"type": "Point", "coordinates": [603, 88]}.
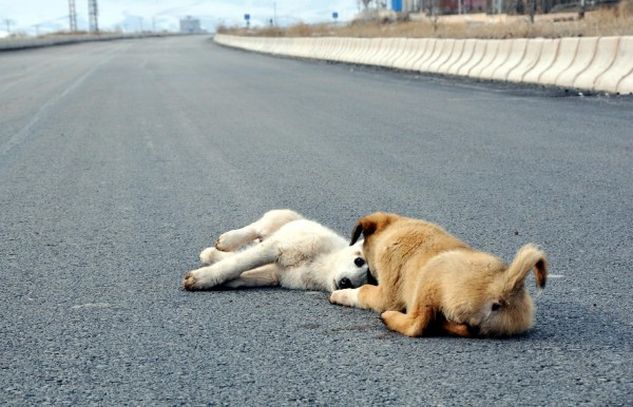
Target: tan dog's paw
{"type": "Point", "coordinates": [210, 255]}
{"type": "Point", "coordinates": [347, 297]}
{"type": "Point", "coordinates": [386, 316]}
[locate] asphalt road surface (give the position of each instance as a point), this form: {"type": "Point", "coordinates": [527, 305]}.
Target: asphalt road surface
{"type": "Point", "coordinates": [120, 161]}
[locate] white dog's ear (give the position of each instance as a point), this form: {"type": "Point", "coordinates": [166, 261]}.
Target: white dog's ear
{"type": "Point", "coordinates": [369, 225]}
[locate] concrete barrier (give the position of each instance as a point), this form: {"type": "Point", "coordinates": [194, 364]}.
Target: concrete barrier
{"type": "Point", "coordinates": [489, 58]}
{"type": "Point", "coordinates": [376, 46]}
{"type": "Point", "coordinates": [436, 52]}
{"type": "Point", "coordinates": [389, 48]}
{"type": "Point", "coordinates": [564, 59]}
{"type": "Point", "coordinates": [584, 56]}
{"type": "Point", "coordinates": [606, 51]}
{"type": "Point", "coordinates": [478, 54]}
{"type": "Point", "coordinates": [625, 85]}
{"type": "Point", "coordinates": [443, 56]}
{"type": "Point", "coordinates": [621, 68]}
{"type": "Point", "coordinates": [601, 64]}
{"type": "Point", "coordinates": [545, 61]}
{"type": "Point", "coordinates": [418, 47]}
{"type": "Point", "coordinates": [502, 55]}
{"type": "Point", "coordinates": [515, 56]}
{"type": "Point", "coordinates": [410, 47]}
{"type": "Point", "coordinates": [455, 55]}
{"type": "Point", "coordinates": [429, 51]}
{"type": "Point", "coordinates": [467, 54]}
{"type": "Point", "coordinates": [528, 61]}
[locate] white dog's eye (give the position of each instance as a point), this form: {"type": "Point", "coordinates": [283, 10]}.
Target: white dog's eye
{"type": "Point", "coordinates": [359, 261]}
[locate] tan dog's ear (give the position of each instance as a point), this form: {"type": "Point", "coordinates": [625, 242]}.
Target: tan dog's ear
{"type": "Point", "coordinates": [370, 224]}
{"type": "Point", "coordinates": [527, 258]}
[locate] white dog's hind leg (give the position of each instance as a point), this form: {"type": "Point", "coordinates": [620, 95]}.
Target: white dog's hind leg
{"type": "Point", "coordinates": [260, 229]}
{"type": "Point", "coordinates": [211, 255]}
{"type": "Point", "coordinates": [231, 267]}
{"type": "Point", "coordinates": [265, 276]}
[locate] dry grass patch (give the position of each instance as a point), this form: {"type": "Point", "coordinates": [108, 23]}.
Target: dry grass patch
{"type": "Point", "coordinates": [604, 22]}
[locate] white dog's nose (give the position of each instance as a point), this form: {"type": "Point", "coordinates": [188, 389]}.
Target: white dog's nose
{"type": "Point", "coordinates": [344, 283]}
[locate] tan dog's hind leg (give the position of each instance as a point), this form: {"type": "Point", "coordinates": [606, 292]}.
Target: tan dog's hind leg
{"type": "Point", "coordinates": [454, 328]}
{"type": "Point", "coordinates": [410, 324]}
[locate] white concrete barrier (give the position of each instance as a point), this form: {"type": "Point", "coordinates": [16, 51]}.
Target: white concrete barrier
{"type": "Point", "coordinates": [528, 61]}
{"type": "Point", "coordinates": [601, 64]}
{"type": "Point", "coordinates": [584, 56]}
{"type": "Point", "coordinates": [428, 52]}
{"type": "Point", "coordinates": [383, 56]}
{"type": "Point", "coordinates": [400, 50]}
{"type": "Point", "coordinates": [478, 54]}
{"type": "Point", "coordinates": [490, 55]}
{"type": "Point", "coordinates": [467, 54]}
{"type": "Point", "coordinates": [619, 77]}
{"type": "Point", "coordinates": [544, 62]}
{"type": "Point", "coordinates": [564, 59]}
{"type": "Point", "coordinates": [371, 55]}
{"type": "Point", "coordinates": [515, 56]}
{"type": "Point", "coordinates": [410, 48]}
{"type": "Point", "coordinates": [455, 55]}
{"type": "Point", "coordinates": [625, 85]}
{"type": "Point", "coordinates": [606, 51]}
{"type": "Point", "coordinates": [443, 56]}
{"type": "Point", "coordinates": [502, 55]}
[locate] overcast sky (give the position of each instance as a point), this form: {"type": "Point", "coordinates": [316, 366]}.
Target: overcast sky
{"type": "Point", "coordinates": [130, 14]}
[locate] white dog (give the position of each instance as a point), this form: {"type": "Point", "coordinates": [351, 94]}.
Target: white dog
{"type": "Point", "coordinates": [286, 250]}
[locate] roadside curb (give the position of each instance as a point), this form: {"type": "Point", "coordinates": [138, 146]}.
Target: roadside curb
{"type": "Point", "coordinates": [21, 43]}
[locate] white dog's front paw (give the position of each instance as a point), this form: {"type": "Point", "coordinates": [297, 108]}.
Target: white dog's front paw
{"type": "Point", "coordinates": [229, 241]}
{"type": "Point", "coordinates": [189, 282]}
{"type": "Point", "coordinates": [347, 297]}
{"type": "Point", "coordinates": [210, 255]}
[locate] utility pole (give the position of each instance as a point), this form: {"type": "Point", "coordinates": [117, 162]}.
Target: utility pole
{"type": "Point", "coordinates": [72, 16]}
{"type": "Point", "coordinates": [93, 12]}
{"type": "Point", "coordinates": [275, 13]}
{"type": "Point", "coordinates": [8, 24]}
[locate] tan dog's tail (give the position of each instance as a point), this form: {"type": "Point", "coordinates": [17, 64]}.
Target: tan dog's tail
{"type": "Point", "coordinates": [370, 224]}
{"type": "Point", "coordinates": [527, 258]}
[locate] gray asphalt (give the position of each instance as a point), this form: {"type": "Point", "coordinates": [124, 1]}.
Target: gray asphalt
{"type": "Point", "coordinates": [120, 161]}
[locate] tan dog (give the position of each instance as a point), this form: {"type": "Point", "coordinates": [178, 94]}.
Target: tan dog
{"type": "Point", "coordinates": [429, 279]}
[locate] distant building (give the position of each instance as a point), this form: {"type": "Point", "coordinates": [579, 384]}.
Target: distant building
{"type": "Point", "coordinates": [441, 6]}
{"type": "Point", "coordinates": [190, 25]}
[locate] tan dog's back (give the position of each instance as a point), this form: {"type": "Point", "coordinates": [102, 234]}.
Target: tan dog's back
{"type": "Point", "coordinates": [394, 242]}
